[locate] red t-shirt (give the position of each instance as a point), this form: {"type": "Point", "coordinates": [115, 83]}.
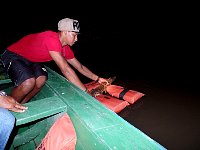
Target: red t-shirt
{"type": "Point", "coordinates": [36, 47]}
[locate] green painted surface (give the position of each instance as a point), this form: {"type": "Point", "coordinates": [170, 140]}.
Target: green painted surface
{"type": "Point", "coordinates": [97, 127]}
{"type": "Point", "coordinates": [40, 109]}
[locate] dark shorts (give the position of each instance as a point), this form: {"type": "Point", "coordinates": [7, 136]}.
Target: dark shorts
{"type": "Point", "coordinates": [20, 69]}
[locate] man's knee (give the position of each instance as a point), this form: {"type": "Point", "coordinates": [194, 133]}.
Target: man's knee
{"type": "Point", "coordinates": [40, 81]}
{"type": "Point", "coordinates": [27, 85]}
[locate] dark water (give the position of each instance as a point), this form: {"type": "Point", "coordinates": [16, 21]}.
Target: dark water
{"type": "Point", "coordinates": [168, 114]}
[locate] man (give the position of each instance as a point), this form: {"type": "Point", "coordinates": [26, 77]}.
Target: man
{"type": "Point", "coordinates": [7, 120]}
{"type": "Point", "coordinates": [23, 59]}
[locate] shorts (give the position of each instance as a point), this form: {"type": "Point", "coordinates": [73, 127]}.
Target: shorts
{"type": "Point", "coordinates": [20, 69]}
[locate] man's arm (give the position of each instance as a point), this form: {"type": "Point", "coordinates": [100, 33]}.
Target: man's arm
{"type": "Point", "coordinates": [85, 71]}
{"type": "Point", "coordinates": [66, 70]}
{"type": "Point", "coordinates": [82, 69]}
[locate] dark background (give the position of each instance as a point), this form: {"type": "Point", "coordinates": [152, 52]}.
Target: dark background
{"type": "Point", "coordinates": [154, 41]}
{"type": "Point", "coordinates": [149, 47]}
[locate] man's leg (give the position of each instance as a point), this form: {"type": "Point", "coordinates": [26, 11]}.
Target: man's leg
{"type": "Point", "coordinates": [20, 91]}
{"type": "Point", "coordinates": [40, 81]}
{"type": "Point", "coordinates": [27, 76]}
{"type": "Point", "coordinates": [7, 121]}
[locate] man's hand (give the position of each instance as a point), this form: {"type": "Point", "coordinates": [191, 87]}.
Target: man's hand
{"type": "Point", "coordinates": [9, 103]}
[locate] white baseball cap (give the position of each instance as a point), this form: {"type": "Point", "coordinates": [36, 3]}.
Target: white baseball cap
{"type": "Point", "coordinates": [68, 24]}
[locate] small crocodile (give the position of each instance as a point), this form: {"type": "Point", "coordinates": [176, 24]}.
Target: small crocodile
{"type": "Point", "coordinates": [102, 87]}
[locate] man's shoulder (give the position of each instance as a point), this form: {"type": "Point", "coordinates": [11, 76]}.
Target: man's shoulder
{"type": "Point", "coordinates": [48, 32]}
{"type": "Point", "coordinates": [48, 35]}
